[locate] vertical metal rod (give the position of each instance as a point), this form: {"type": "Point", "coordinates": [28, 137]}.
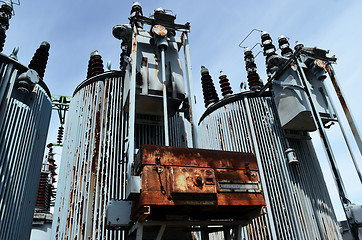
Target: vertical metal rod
{"type": "Point", "coordinates": [139, 233]}
{"type": "Point", "coordinates": [9, 70]}
{"type": "Point", "coordinates": [164, 96]}
{"type": "Point", "coordinates": [344, 135]}
{"type": "Point", "coordinates": [327, 147]}
{"type": "Point", "coordinates": [160, 233]}
{"type": "Point", "coordinates": [260, 165]}
{"type": "Point", "coordinates": [204, 235]}
{"type": "Point", "coordinates": [132, 106]}
{"type": "Point", "coordinates": [238, 232]}
{"type": "Point", "coordinates": [345, 107]}
{"type": "Point", "coordinates": [190, 87]}
{"type": "Point", "coordinates": [227, 235]}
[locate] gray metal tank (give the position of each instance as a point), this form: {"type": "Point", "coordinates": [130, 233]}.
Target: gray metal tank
{"type": "Point", "coordinates": [298, 203]}
{"type": "Point", "coordinates": [25, 111]}
{"type": "Point", "coordinates": [93, 172]}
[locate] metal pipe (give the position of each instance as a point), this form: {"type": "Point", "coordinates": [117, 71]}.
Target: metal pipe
{"type": "Point", "coordinates": [160, 232]}
{"type": "Point", "coordinates": [164, 96]}
{"type": "Point", "coordinates": [132, 106]}
{"type": "Point", "coordinates": [344, 135]}
{"type": "Point", "coordinates": [190, 87]}
{"type": "Point", "coordinates": [345, 107]}
{"type": "Point", "coordinates": [139, 233]}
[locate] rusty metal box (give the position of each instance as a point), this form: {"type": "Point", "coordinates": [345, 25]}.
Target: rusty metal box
{"type": "Point", "coordinates": [196, 184]}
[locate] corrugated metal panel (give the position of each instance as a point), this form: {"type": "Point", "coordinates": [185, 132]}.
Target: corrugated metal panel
{"type": "Point", "coordinates": [298, 203]}
{"type": "Point", "coordinates": [24, 126]}
{"type": "Point", "coordinates": [92, 170]}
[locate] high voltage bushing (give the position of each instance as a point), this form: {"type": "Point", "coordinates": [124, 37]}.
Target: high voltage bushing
{"type": "Point", "coordinates": [285, 47]}
{"type": "Point", "coordinates": [254, 81]}
{"type": "Point", "coordinates": [225, 85]}
{"type": "Point", "coordinates": [60, 135]}
{"type": "Point", "coordinates": [95, 65]}
{"type": "Point", "coordinates": [136, 11]}
{"type": "Point", "coordinates": [5, 15]}
{"type": "Point", "coordinates": [208, 88]}
{"type": "Point", "coordinates": [269, 49]}
{"type": "Point", "coordinates": [40, 59]}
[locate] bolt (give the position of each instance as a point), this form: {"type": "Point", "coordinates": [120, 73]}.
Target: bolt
{"type": "Point", "coordinates": [198, 181]}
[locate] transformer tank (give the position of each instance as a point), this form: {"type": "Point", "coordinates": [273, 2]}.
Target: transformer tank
{"type": "Point", "coordinates": [25, 110]}
{"type": "Point", "coordinates": [129, 163]}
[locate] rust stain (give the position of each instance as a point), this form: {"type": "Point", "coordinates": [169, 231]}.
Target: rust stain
{"type": "Point", "coordinates": [338, 90]}
{"type": "Point", "coordinates": [134, 49]}
{"type": "Point", "coordinates": [97, 141]}
{"type": "Point", "coordinates": [189, 178]}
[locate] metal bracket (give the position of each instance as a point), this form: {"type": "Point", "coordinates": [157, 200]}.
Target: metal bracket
{"type": "Point", "coordinates": [240, 44]}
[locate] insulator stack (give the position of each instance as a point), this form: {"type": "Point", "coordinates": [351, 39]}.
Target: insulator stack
{"type": "Point", "coordinates": [5, 15]}
{"type": "Point", "coordinates": [60, 135]}
{"type": "Point", "coordinates": [285, 47]}
{"type": "Point", "coordinates": [40, 59]}
{"type": "Point", "coordinates": [268, 46]}
{"type": "Point", "coordinates": [52, 169]}
{"type": "Point", "coordinates": [208, 88]}
{"type": "Point", "coordinates": [135, 12]}
{"type": "Point", "coordinates": [225, 85]}
{"type": "Point", "coordinates": [95, 65]}
{"type": "Point", "coordinates": [254, 81]}
{"type": "Point", "coordinates": [123, 54]}
{"type": "Point", "coordinates": [269, 49]}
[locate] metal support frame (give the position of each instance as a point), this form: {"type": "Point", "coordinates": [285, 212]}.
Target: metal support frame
{"type": "Point", "coordinates": [344, 136]}
{"type": "Point", "coordinates": [139, 227]}
{"type": "Point", "coordinates": [323, 135]}
{"type": "Point", "coordinates": [190, 87]}
{"type": "Point", "coordinates": [139, 233]}
{"type": "Point", "coordinates": [160, 232]}
{"type": "Point", "coordinates": [61, 105]}
{"type": "Point", "coordinates": [327, 147]}
{"type": "Point", "coordinates": [345, 107]}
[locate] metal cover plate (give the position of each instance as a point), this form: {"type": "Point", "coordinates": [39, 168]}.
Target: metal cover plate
{"type": "Point", "coordinates": [118, 214]}
{"type": "Point", "coordinates": [190, 180]}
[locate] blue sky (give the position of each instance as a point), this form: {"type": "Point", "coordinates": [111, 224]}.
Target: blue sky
{"type": "Point", "coordinates": [76, 28]}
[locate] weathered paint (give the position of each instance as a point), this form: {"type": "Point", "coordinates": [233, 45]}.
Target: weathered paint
{"type": "Point", "coordinates": [298, 203]}
{"type": "Point", "coordinates": [24, 126]}
{"type": "Point", "coordinates": [93, 168]}
{"type": "Point", "coordinates": [195, 183]}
